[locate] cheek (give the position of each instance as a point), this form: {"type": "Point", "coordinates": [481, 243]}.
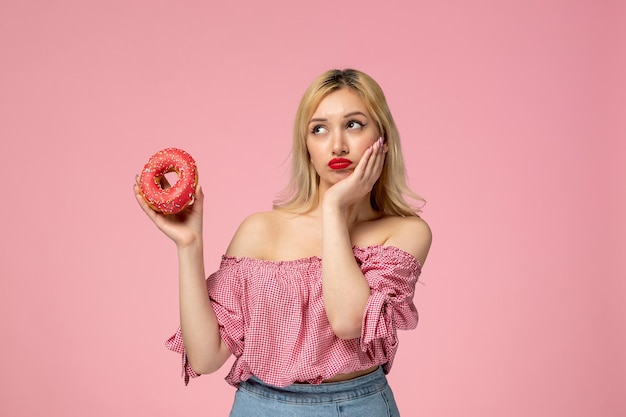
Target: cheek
{"type": "Point", "coordinates": [363, 146]}
{"type": "Point", "coordinates": [312, 150]}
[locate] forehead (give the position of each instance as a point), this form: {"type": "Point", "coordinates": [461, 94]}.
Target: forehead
{"type": "Point", "coordinates": [339, 102]}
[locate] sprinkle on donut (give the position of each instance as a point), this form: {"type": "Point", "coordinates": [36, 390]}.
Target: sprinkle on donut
{"type": "Point", "coordinates": [174, 199]}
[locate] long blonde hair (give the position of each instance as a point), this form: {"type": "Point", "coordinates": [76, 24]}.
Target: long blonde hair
{"type": "Point", "coordinates": [389, 192]}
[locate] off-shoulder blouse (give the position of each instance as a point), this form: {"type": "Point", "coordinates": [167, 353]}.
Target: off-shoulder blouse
{"type": "Point", "coordinates": [271, 317]}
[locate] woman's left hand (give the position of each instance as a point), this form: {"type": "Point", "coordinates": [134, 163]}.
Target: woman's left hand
{"type": "Point", "coordinates": [356, 186]}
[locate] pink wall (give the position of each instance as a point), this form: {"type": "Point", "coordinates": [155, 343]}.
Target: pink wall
{"type": "Point", "coordinates": [513, 120]}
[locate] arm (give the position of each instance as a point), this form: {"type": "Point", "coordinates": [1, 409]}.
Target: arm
{"type": "Point", "coordinates": [344, 287]}
{"type": "Point", "coordinates": [345, 279]}
{"type": "Point", "coordinates": [205, 350]}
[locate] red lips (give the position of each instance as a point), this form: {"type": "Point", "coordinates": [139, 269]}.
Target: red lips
{"type": "Point", "coordinates": [339, 163]}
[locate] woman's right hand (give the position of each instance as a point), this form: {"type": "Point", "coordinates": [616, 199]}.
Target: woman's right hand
{"type": "Point", "coordinates": [184, 228]}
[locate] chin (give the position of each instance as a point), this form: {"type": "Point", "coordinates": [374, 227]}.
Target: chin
{"type": "Point", "coordinates": [341, 174]}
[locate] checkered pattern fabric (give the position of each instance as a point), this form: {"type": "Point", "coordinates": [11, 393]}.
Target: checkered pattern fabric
{"type": "Point", "coordinates": [272, 318]}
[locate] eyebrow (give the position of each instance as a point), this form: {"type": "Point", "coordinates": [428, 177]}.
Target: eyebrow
{"type": "Point", "coordinates": [346, 116]}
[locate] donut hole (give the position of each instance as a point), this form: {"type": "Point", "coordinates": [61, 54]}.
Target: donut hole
{"type": "Point", "coordinates": [169, 179]}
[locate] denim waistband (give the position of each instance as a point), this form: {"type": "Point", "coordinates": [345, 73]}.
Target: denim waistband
{"type": "Point", "coordinates": [327, 392]}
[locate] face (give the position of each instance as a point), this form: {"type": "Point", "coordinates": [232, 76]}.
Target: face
{"type": "Point", "coordinates": [339, 132]}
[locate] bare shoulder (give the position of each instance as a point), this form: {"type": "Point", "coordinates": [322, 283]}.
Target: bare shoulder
{"type": "Point", "coordinates": [411, 234]}
{"type": "Point", "coordinates": [253, 235]}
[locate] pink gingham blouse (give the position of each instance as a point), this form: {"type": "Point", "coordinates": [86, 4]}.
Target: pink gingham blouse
{"type": "Point", "coordinates": [271, 316]}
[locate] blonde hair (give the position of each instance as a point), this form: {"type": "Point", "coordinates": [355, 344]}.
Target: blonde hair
{"type": "Point", "coordinates": [388, 194]}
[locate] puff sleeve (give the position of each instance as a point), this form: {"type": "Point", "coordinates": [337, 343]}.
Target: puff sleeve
{"type": "Point", "coordinates": [391, 274]}
{"type": "Point", "coordinates": [224, 288]}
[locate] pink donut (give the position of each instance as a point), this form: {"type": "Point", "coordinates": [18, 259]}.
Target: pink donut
{"type": "Point", "coordinates": [180, 194]}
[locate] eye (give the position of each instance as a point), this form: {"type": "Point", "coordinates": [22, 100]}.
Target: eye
{"type": "Point", "coordinates": [318, 129]}
{"type": "Point", "coordinates": [355, 124]}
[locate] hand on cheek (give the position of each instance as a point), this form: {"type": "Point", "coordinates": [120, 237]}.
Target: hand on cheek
{"type": "Point", "coordinates": [358, 184]}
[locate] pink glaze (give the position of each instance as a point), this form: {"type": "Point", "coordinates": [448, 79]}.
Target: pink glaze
{"type": "Point", "coordinates": [181, 194]}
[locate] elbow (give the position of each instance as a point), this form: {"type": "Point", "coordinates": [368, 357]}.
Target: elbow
{"type": "Point", "coordinates": [347, 329]}
{"type": "Point", "coordinates": [204, 368]}
{"type": "Point", "coordinates": [208, 362]}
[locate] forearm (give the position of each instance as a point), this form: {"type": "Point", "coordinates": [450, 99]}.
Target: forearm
{"type": "Point", "coordinates": [344, 287]}
{"type": "Point", "coordinates": [200, 330]}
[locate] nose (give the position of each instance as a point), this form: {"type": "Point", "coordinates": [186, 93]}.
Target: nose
{"type": "Point", "coordinates": [339, 144]}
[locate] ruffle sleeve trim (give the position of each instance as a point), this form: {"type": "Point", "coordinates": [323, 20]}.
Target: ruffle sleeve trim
{"type": "Point", "coordinates": [223, 288]}
{"type": "Point", "coordinates": [175, 344]}
{"type": "Point", "coordinates": [392, 275]}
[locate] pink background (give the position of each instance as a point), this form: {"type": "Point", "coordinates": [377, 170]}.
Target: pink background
{"type": "Point", "coordinates": [513, 122]}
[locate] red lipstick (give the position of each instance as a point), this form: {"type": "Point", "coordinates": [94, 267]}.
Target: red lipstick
{"type": "Point", "coordinates": [339, 163]}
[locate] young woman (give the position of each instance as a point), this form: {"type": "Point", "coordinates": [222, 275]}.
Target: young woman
{"type": "Point", "coordinates": [309, 296]}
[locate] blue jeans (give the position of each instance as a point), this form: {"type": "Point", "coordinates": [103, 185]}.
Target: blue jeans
{"type": "Point", "coordinates": [368, 395]}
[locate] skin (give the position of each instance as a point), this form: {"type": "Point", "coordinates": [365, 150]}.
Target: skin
{"type": "Point", "coordinates": [343, 217]}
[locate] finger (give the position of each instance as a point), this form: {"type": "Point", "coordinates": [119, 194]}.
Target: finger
{"type": "Point", "coordinates": [380, 160]}
{"type": "Point", "coordinates": [373, 160]}
{"type": "Point", "coordinates": [142, 201]}
{"type": "Point", "coordinates": [197, 200]}
{"type": "Point", "coordinates": [359, 170]}
{"type": "Point", "coordinates": [137, 191]}
{"type": "Point", "coordinates": [376, 162]}
{"type": "Point", "coordinates": [144, 205]}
